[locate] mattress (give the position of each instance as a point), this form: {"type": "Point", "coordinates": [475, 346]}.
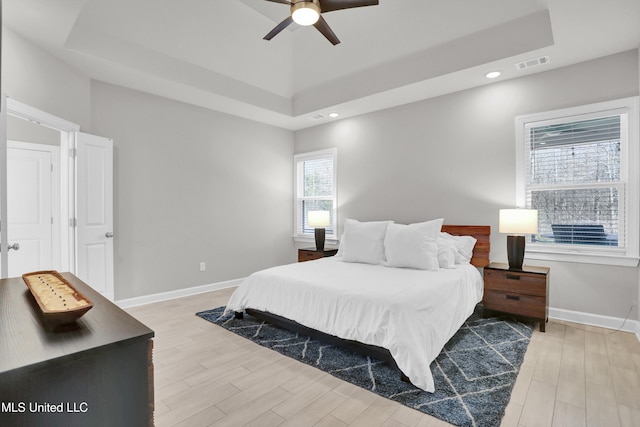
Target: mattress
{"type": "Point", "coordinates": [412, 313]}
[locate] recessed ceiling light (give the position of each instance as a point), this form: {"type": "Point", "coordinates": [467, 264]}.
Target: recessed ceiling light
{"type": "Point", "coordinates": [492, 74]}
{"type": "Point", "coordinates": [334, 115]}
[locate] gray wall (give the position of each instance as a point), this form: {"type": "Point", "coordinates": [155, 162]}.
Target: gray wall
{"type": "Point", "coordinates": [26, 131]}
{"type": "Point", "coordinates": [191, 186]}
{"type": "Point", "coordinates": [454, 157]}
{"type": "Point", "coordinates": [38, 79]}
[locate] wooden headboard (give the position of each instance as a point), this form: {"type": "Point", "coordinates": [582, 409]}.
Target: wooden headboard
{"type": "Point", "coordinates": [482, 233]}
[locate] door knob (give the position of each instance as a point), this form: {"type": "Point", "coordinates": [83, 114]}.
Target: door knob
{"type": "Point", "coordinates": [15, 247]}
{"type": "Point", "coordinates": [109, 234]}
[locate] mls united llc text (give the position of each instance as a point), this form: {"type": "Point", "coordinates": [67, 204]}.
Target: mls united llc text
{"type": "Point", "coordinates": [44, 407]}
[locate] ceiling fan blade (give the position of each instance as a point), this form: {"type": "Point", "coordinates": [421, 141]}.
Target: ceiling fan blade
{"type": "Point", "coordinates": [326, 31]}
{"type": "Point", "coordinates": [281, 1]}
{"type": "Point", "coordinates": [281, 26]}
{"type": "Point", "coordinates": [331, 5]}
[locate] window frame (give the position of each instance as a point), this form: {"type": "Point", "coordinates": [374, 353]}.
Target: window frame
{"type": "Point", "coordinates": [629, 176]}
{"type": "Point", "coordinates": [298, 182]}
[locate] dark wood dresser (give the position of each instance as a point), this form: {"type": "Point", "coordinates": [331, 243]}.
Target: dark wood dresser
{"type": "Point", "coordinates": [97, 371]}
{"type": "Point", "coordinates": [309, 254]}
{"type": "Point", "coordinates": [520, 292]}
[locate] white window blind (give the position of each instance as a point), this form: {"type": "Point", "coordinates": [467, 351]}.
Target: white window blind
{"type": "Point", "coordinates": [577, 171]}
{"type": "Point", "coordinates": [574, 181]}
{"type": "Point", "coordinates": [315, 190]}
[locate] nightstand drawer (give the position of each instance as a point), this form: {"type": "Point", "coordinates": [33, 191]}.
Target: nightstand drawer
{"type": "Point", "coordinates": [311, 254]}
{"type": "Point", "coordinates": [515, 282]}
{"type": "Point", "coordinates": [308, 256]}
{"type": "Point", "coordinates": [524, 305]}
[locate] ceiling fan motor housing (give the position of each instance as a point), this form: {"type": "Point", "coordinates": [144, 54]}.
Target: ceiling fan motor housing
{"type": "Point", "coordinates": [306, 12]}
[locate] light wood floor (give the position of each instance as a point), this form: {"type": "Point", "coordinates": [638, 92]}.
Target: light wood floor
{"type": "Point", "coordinates": [573, 375]}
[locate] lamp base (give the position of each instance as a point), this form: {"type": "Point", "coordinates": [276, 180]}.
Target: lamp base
{"type": "Point", "coordinates": [515, 252]}
{"type": "Point", "coordinates": [319, 233]}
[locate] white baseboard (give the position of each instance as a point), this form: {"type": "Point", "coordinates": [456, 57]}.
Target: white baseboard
{"type": "Point", "coordinates": [596, 320]}
{"type": "Point", "coordinates": [554, 313]}
{"type": "Point", "coordinates": [179, 293]}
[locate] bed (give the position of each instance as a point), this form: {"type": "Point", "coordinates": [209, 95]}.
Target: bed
{"type": "Point", "coordinates": [401, 315]}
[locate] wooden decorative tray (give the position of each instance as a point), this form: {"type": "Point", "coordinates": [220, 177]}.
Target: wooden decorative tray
{"type": "Point", "coordinates": [59, 301]}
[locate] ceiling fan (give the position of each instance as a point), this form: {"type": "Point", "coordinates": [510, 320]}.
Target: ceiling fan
{"type": "Point", "coordinates": [309, 13]}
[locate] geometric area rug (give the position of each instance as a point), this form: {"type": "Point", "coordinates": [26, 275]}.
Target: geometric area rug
{"type": "Point", "coordinates": [474, 374]}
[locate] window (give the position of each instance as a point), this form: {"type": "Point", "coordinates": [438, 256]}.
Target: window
{"type": "Point", "coordinates": [315, 190]}
{"type": "Point", "coordinates": [579, 168]}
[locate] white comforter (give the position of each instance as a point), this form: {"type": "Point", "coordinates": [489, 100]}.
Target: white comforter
{"type": "Point", "coordinates": [412, 313]}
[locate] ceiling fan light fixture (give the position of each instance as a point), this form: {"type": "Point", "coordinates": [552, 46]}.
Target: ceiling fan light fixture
{"type": "Point", "coordinates": [305, 12]}
{"type": "Point", "coordinates": [308, 12]}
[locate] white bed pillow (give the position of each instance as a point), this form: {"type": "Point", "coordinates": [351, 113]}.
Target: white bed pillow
{"type": "Point", "coordinates": [433, 227]}
{"type": "Point", "coordinates": [413, 246]}
{"type": "Point", "coordinates": [341, 246]}
{"type": "Point", "coordinates": [464, 247]}
{"type": "Point", "coordinates": [363, 241]}
{"type": "Point", "coordinates": [446, 253]}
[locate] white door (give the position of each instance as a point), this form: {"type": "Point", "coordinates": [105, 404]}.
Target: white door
{"type": "Point", "coordinates": [3, 187]}
{"type": "Point", "coordinates": [94, 209]}
{"type": "Point", "coordinates": [31, 196]}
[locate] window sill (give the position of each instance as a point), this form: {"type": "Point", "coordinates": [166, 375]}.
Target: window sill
{"type": "Point", "coordinates": [310, 239]}
{"type": "Point", "coordinates": [553, 254]}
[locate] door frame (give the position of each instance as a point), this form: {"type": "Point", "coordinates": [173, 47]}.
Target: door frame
{"type": "Point", "coordinates": [67, 131]}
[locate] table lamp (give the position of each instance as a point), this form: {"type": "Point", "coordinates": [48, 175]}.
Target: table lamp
{"type": "Point", "coordinates": [319, 220]}
{"type": "Point", "coordinates": [516, 223]}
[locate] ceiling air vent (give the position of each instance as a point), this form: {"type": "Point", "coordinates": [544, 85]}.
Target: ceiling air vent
{"type": "Point", "coordinates": [543, 60]}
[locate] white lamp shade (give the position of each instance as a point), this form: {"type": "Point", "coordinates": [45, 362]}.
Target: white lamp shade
{"type": "Point", "coordinates": [319, 218]}
{"type": "Point", "coordinates": [518, 221]}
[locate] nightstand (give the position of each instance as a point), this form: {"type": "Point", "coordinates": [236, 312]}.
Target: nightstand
{"type": "Point", "coordinates": [520, 292]}
{"type": "Point", "coordinates": [309, 254]}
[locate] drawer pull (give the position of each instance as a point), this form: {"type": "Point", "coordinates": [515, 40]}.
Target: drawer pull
{"type": "Point", "coordinates": [513, 297]}
{"type": "Point", "coordinates": [513, 277]}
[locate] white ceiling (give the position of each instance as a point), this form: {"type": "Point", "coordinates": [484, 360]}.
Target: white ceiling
{"type": "Point", "coordinates": [211, 52]}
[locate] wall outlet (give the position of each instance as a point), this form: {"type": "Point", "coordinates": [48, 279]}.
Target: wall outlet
{"type": "Point", "coordinates": [203, 266]}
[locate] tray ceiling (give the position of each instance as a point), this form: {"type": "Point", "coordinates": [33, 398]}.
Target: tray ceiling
{"type": "Point", "coordinates": [211, 53]}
